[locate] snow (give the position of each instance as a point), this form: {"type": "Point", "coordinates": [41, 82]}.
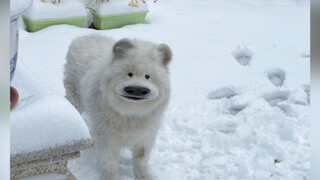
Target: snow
{"type": "Point", "coordinates": [118, 7]}
{"type": "Point", "coordinates": [276, 76]}
{"type": "Point", "coordinates": [41, 119]}
{"type": "Point", "coordinates": [243, 54]}
{"type": "Point", "coordinates": [257, 129]}
{"type": "Point", "coordinates": [64, 9]}
{"type": "Point", "coordinates": [18, 7]}
{"type": "Point", "coordinates": [77, 8]}
{"type": "Point", "coordinates": [223, 92]}
{"type": "Point", "coordinates": [51, 176]}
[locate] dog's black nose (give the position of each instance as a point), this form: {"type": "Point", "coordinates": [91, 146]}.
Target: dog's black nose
{"type": "Point", "coordinates": [137, 90]}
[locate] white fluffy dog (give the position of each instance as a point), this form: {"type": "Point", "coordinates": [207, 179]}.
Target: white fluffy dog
{"type": "Point", "coordinates": [124, 88]}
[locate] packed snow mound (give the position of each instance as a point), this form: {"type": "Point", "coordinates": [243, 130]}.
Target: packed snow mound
{"type": "Point", "coordinates": [118, 7]}
{"type": "Point", "coordinates": [223, 92]}
{"type": "Point", "coordinates": [64, 9]}
{"type": "Point", "coordinates": [41, 119]}
{"type": "Point", "coordinates": [17, 7]}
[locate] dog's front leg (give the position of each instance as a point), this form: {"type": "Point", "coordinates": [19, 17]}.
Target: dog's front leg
{"type": "Point", "coordinates": [109, 162]}
{"type": "Point", "coordinates": [140, 160]}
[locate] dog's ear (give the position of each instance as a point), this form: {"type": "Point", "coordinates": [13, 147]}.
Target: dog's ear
{"type": "Point", "coordinates": [165, 54]}
{"type": "Point", "coordinates": [121, 47]}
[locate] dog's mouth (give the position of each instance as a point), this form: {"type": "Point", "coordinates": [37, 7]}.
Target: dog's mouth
{"type": "Point", "coordinates": [134, 98]}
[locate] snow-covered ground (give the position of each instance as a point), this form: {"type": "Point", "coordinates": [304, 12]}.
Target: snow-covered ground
{"type": "Point", "coordinates": [240, 87]}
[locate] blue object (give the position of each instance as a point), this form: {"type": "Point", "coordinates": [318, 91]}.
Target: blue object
{"type": "Point", "coordinates": [13, 63]}
{"type": "Point", "coordinates": [17, 8]}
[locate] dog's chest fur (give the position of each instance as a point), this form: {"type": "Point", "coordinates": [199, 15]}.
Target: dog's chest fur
{"type": "Point", "coordinates": [126, 130]}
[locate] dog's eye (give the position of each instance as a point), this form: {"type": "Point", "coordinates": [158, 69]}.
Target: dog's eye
{"type": "Point", "coordinates": [130, 74]}
{"type": "Point", "coordinates": [147, 76]}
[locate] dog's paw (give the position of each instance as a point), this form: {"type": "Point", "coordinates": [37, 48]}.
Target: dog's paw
{"type": "Point", "coordinates": [143, 175]}
{"type": "Point", "coordinates": [107, 175]}
{"type": "Point", "coordinates": [103, 177]}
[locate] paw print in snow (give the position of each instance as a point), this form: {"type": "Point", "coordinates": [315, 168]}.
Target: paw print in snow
{"type": "Point", "coordinates": [243, 54]}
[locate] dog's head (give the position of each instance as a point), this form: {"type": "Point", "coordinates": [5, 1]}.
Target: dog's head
{"type": "Point", "coordinates": [137, 80]}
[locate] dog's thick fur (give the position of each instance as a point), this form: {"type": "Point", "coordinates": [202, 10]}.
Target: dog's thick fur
{"type": "Point", "coordinates": [96, 72]}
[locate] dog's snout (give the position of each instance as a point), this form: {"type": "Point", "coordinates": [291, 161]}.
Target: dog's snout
{"type": "Point", "coordinates": [137, 90]}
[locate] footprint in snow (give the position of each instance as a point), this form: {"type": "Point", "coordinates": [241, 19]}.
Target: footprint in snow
{"type": "Point", "coordinates": [276, 76]}
{"type": "Point", "coordinates": [307, 90]}
{"type": "Point", "coordinates": [243, 54]}
{"type": "Point", "coordinates": [223, 92]}
{"type": "Point", "coordinates": [224, 126]}
{"type": "Point", "coordinates": [287, 109]}
{"type": "Point", "coordinates": [236, 108]}
{"type": "Point", "coordinates": [273, 98]}
{"type": "Point", "coordinates": [305, 54]}
{"type": "Point", "coordinates": [236, 104]}
{"type": "Point", "coordinates": [300, 96]}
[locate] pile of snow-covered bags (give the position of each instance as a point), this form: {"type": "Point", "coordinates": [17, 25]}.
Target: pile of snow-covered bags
{"type": "Point", "coordinates": [82, 13]}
